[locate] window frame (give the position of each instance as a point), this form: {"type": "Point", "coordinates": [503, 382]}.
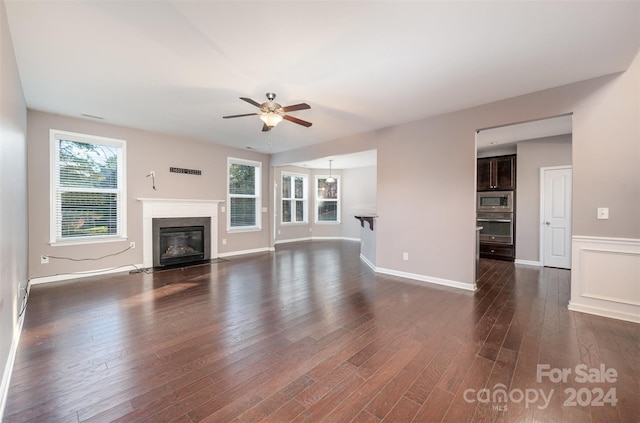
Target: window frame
{"type": "Point", "coordinates": [293, 200]}
{"type": "Point", "coordinates": [257, 195]}
{"type": "Point", "coordinates": [55, 235]}
{"type": "Point", "coordinates": [337, 200]}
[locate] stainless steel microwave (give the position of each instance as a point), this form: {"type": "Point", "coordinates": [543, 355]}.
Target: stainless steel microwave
{"type": "Point", "coordinates": [495, 201]}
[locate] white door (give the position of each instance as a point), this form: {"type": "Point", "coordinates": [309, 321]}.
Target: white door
{"type": "Point", "coordinates": [555, 183]}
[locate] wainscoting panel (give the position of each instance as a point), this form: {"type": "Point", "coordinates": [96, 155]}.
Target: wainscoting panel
{"type": "Point", "coordinates": [605, 278]}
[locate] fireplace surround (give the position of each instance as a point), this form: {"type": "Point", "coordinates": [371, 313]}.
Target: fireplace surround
{"type": "Point", "coordinates": [153, 208]}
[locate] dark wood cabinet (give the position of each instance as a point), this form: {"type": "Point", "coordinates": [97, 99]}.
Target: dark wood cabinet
{"type": "Point", "coordinates": [498, 251]}
{"type": "Point", "coordinates": [497, 173]}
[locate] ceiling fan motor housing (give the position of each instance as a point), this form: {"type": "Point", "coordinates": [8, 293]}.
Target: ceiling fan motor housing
{"type": "Point", "coordinates": [271, 106]}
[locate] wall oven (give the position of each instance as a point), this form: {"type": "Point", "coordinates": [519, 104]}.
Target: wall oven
{"type": "Point", "coordinates": [495, 201]}
{"type": "Point", "coordinates": [496, 227]}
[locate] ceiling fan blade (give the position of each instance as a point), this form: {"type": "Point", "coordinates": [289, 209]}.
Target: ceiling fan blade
{"type": "Point", "coordinates": [235, 116]}
{"type": "Point", "coordinates": [301, 106]}
{"type": "Point", "coordinates": [265, 128]}
{"type": "Point", "coordinates": [296, 120]}
{"type": "Point", "coordinates": [248, 100]}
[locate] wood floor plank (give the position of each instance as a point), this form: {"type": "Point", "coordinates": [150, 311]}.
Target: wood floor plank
{"type": "Point", "coordinates": [309, 333]}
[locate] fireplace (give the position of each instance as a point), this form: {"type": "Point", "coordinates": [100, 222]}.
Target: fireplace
{"type": "Point", "coordinates": [162, 208]}
{"type": "Point", "coordinates": [181, 241]}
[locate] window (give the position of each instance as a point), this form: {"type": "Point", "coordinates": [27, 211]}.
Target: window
{"type": "Point", "coordinates": [294, 198]}
{"type": "Point", "coordinates": [87, 188]}
{"type": "Point", "coordinates": [327, 200]}
{"type": "Point", "coordinates": [244, 194]}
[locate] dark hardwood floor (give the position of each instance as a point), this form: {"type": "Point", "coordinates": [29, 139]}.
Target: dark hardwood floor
{"type": "Point", "coordinates": [309, 333]}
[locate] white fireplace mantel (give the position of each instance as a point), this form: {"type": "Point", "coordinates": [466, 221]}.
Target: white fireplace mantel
{"type": "Point", "coordinates": [171, 207]}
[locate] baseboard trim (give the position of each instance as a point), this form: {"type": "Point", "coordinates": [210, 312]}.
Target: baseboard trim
{"type": "Point", "coordinates": [8, 368]}
{"type": "Point", "coordinates": [367, 262]}
{"type": "Point", "coordinates": [428, 279]}
{"type": "Point", "coordinates": [605, 312]}
{"type": "Point", "coordinates": [334, 238]}
{"type": "Point", "coordinates": [243, 252]}
{"type": "Point", "coordinates": [316, 238]}
{"type": "Point", "coordinates": [528, 262]}
{"type": "Point", "coordinates": [79, 275]}
{"type": "Point", "coordinates": [287, 241]}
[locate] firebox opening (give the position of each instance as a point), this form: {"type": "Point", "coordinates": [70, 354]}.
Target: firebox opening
{"type": "Point", "coordinates": [178, 245]}
{"type": "Point", "coordinates": [181, 241]}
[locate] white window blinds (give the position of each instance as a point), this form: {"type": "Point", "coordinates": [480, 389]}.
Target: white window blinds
{"type": "Point", "coordinates": [244, 194]}
{"type": "Point", "coordinates": [88, 187]}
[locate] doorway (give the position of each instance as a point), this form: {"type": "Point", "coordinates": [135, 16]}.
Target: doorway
{"type": "Point", "coordinates": [543, 143]}
{"type": "Point", "coordinates": [555, 216]}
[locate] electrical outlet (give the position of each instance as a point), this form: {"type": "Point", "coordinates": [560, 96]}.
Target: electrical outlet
{"type": "Point", "coordinates": [44, 259]}
{"type": "Point", "coordinates": [222, 209]}
{"type": "Point", "coordinates": [224, 241]}
{"type": "Point", "coordinates": [132, 245]}
{"type": "Point", "coordinates": [405, 256]}
{"type": "Point", "coordinates": [603, 213]}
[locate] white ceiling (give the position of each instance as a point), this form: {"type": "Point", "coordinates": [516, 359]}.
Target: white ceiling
{"type": "Point", "coordinates": [179, 66]}
{"type": "Point", "coordinates": [343, 161]}
{"type": "Point", "coordinates": [509, 134]}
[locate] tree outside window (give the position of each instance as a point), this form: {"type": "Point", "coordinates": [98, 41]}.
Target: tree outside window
{"type": "Point", "coordinates": [88, 187]}
{"type": "Point", "coordinates": [294, 198]}
{"type": "Point", "coordinates": [327, 200]}
{"type": "Point", "coordinates": [243, 194]}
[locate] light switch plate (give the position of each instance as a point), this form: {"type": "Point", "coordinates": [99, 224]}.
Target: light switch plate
{"type": "Point", "coordinates": [603, 213]}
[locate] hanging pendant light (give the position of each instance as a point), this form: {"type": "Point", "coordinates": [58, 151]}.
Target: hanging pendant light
{"type": "Point", "coordinates": [330, 179]}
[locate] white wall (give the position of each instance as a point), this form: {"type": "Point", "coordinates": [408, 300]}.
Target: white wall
{"type": "Point", "coordinates": [13, 202]}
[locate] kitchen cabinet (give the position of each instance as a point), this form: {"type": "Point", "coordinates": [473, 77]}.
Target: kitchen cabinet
{"type": "Point", "coordinates": [497, 173]}
{"type": "Point", "coordinates": [498, 251]}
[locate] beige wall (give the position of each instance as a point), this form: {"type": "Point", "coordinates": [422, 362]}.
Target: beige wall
{"type": "Point", "coordinates": [295, 231]}
{"type": "Point", "coordinates": [146, 151]}
{"type": "Point", "coordinates": [13, 199]}
{"type": "Point", "coordinates": [532, 155]}
{"type": "Point", "coordinates": [358, 186]}
{"type": "Point", "coordinates": [426, 172]}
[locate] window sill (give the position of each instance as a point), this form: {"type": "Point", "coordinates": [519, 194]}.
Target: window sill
{"type": "Point", "coordinates": [294, 223]}
{"type": "Point", "coordinates": [244, 229]}
{"type": "Point", "coordinates": [327, 223]}
{"type": "Point", "coordinates": [85, 241]}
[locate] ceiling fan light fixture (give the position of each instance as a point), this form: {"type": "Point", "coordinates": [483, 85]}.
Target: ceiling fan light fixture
{"type": "Point", "coordinates": [271, 119]}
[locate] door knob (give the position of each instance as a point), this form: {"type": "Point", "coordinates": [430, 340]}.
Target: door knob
{"type": "Point", "coordinates": [547, 223]}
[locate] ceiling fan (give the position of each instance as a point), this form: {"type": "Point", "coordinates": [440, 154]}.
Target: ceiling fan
{"type": "Point", "coordinates": [271, 113]}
